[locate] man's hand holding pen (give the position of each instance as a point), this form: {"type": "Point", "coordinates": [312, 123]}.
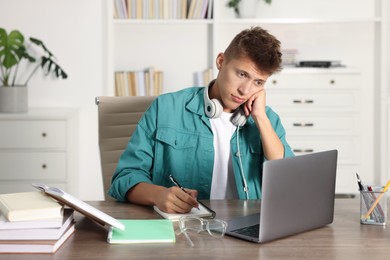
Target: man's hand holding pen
{"type": "Point", "coordinates": [177, 200]}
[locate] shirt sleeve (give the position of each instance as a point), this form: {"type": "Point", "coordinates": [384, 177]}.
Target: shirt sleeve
{"type": "Point", "coordinates": [280, 132]}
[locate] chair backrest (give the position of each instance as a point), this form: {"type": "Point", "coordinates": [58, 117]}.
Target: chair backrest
{"type": "Point", "coordinates": [118, 117]}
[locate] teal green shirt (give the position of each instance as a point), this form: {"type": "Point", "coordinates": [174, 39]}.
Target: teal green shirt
{"type": "Point", "coordinates": [174, 136]}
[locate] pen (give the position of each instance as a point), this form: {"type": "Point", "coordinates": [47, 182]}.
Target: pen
{"type": "Point", "coordinates": [177, 184]}
{"type": "Point", "coordinates": [361, 188]}
{"type": "Point", "coordinates": [363, 193]}
{"type": "Point", "coordinates": [379, 208]}
{"type": "Point", "coordinates": [378, 199]}
{"type": "Point", "coordinates": [213, 214]}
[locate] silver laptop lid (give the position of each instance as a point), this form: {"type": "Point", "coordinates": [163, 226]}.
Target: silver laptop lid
{"type": "Point", "coordinates": [297, 194]}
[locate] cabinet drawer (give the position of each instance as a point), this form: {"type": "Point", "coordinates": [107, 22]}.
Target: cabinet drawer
{"type": "Point", "coordinates": [321, 124]}
{"type": "Point", "coordinates": [313, 81]}
{"type": "Point", "coordinates": [347, 147]}
{"type": "Point", "coordinates": [33, 166]}
{"type": "Point", "coordinates": [32, 134]}
{"type": "Point", "coordinates": [308, 101]}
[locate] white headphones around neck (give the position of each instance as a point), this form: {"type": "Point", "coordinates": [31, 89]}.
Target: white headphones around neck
{"type": "Point", "coordinates": [213, 109]}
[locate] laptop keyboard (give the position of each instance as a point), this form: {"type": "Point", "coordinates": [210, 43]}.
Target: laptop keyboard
{"type": "Point", "coordinates": [251, 231]}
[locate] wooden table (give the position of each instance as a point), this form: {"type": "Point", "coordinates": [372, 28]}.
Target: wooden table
{"type": "Point", "coordinates": [345, 238]}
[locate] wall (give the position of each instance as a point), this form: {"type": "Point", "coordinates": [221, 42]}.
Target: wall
{"type": "Point", "coordinates": [73, 31]}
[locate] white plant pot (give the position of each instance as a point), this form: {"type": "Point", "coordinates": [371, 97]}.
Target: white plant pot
{"type": "Point", "coordinates": [13, 99]}
{"type": "Point", "coordinates": [248, 8]}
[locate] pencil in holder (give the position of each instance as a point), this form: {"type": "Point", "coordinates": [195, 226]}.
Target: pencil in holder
{"type": "Point", "coordinates": [373, 207]}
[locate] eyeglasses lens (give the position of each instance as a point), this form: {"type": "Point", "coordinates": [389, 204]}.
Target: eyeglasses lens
{"type": "Point", "coordinates": [216, 228]}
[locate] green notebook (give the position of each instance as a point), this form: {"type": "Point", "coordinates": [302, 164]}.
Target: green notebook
{"type": "Point", "coordinates": [143, 231]}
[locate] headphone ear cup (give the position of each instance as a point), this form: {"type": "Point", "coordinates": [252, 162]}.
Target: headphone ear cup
{"type": "Point", "coordinates": [213, 108]}
{"type": "Point", "coordinates": [238, 118]}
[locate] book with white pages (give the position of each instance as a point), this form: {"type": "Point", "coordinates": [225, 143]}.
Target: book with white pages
{"type": "Point", "coordinates": [80, 206]}
{"type": "Point", "coordinates": [26, 206]}
{"type": "Point", "coordinates": [35, 246]}
{"type": "Point", "coordinates": [39, 233]}
{"type": "Point", "coordinates": [46, 223]}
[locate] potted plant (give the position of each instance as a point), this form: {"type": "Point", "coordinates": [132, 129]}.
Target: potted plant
{"type": "Point", "coordinates": [15, 54]}
{"type": "Point", "coordinates": [245, 8]}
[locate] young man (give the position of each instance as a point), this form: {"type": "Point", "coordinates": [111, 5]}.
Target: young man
{"type": "Point", "coordinates": [189, 134]}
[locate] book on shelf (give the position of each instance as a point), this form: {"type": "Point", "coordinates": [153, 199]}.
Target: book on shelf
{"type": "Point", "coordinates": [35, 246]}
{"type": "Point", "coordinates": [26, 206]}
{"type": "Point", "coordinates": [143, 231]}
{"type": "Point", "coordinates": [202, 212]}
{"type": "Point", "coordinates": [39, 233]}
{"type": "Point", "coordinates": [203, 78]}
{"type": "Point", "coordinates": [120, 9]}
{"type": "Point", "coordinates": [138, 8]}
{"type": "Point", "coordinates": [161, 9]}
{"type": "Point", "coordinates": [79, 205]}
{"type": "Point", "coordinates": [210, 10]}
{"type": "Point", "coordinates": [200, 9]}
{"type": "Point", "coordinates": [191, 10]}
{"type": "Point", "coordinates": [141, 87]}
{"type": "Point", "coordinates": [147, 82]}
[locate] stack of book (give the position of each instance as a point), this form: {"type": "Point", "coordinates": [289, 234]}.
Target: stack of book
{"type": "Point", "coordinates": [32, 222]}
{"type": "Point", "coordinates": [148, 82]}
{"type": "Point", "coordinates": [162, 9]}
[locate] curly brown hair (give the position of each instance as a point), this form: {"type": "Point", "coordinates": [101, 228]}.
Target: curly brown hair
{"type": "Point", "coordinates": [259, 46]}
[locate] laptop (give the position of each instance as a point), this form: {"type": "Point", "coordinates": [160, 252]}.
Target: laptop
{"type": "Point", "coordinates": [297, 195]}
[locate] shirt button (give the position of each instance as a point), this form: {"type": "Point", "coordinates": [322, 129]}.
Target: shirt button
{"type": "Point", "coordinates": [238, 154]}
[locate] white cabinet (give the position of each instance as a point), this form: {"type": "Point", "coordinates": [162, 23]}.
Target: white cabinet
{"type": "Point", "coordinates": [321, 110]}
{"type": "Point", "coordinates": [39, 146]}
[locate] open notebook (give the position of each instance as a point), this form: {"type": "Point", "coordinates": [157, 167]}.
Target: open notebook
{"type": "Point", "coordinates": [202, 212]}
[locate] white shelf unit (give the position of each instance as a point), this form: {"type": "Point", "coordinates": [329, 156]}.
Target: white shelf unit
{"type": "Point", "coordinates": [348, 30]}
{"type": "Point", "coordinates": [39, 146]}
{"type": "Point", "coordinates": [184, 47]}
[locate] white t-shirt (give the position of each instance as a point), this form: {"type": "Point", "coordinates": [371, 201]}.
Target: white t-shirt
{"type": "Point", "coordinates": [223, 185]}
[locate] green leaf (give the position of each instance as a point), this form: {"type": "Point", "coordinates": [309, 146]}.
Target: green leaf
{"type": "Point", "coordinates": [11, 48]}
{"type": "Point", "coordinates": [48, 65]}
{"type": "Point", "coordinates": [40, 43]}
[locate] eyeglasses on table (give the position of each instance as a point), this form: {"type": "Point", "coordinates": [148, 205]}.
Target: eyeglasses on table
{"type": "Point", "coordinates": [215, 227]}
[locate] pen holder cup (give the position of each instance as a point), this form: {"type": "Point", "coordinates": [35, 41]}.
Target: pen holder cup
{"type": "Point", "coordinates": [373, 207]}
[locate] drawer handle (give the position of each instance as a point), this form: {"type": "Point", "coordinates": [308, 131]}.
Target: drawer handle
{"type": "Point", "coordinates": [44, 166]}
{"type": "Point", "coordinates": [303, 124]}
{"type": "Point", "coordinates": [274, 82]}
{"type": "Point", "coordinates": [303, 150]}
{"type": "Point", "coordinates": [332, 81]}
{"type": "Point", "coordinates": [44, 134]}
{"type": "Point", "coordinates": [303, 101]}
